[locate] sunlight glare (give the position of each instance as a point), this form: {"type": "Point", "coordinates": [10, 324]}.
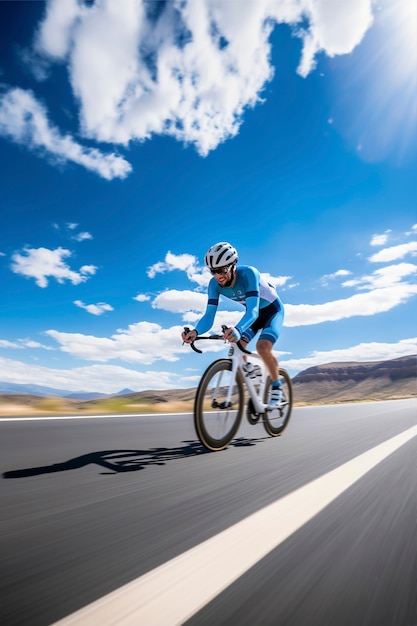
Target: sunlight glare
{"type": "Point", "coordinates": [378, 100]}
{"type": "Point", "coordinates": [395, 97]}
{"type": "Point", "coordinates": [400, 16]}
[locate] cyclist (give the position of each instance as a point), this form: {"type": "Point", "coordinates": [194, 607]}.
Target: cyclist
{"type": "Point", "coordinates": [264, 309]}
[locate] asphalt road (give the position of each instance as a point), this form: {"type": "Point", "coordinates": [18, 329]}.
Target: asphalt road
{"type": "Point", "coordinates": [88, 505]}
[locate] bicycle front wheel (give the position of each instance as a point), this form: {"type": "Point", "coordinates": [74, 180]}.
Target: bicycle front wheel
{"type": "Point", "coordinates": [218, 411]}
{"type": "Point", "coordinates": [276, 421]}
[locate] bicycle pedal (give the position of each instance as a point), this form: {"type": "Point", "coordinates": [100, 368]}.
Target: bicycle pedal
{"type": "Point", "coordinates": [221, 405]}
{"type": "Point", "coordinates": [277, 407]}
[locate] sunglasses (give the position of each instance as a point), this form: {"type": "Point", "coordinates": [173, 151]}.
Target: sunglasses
{"type": "Point", "coordinates": [221, 271]}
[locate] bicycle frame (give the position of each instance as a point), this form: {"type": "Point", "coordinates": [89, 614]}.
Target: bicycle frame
{"type": "Point", "coordinates": [237, 354]}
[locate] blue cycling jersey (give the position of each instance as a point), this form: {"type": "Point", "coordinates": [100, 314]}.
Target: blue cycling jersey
{"type": "Point", "coordinates": [250, 289]}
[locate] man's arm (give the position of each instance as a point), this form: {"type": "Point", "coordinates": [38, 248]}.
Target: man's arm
{"type": "Point", "coordinates": [234, 333]}
{"type": "Point", "coordinates": [206, 322]}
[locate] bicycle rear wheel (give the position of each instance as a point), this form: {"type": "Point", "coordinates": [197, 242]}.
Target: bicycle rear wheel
{"type": "Point", "coordinates": [276, 421]}
{"type": "Point", "coordinates": [215, 422]}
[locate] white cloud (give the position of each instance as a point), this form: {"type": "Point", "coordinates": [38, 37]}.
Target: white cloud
{"type": "Point", "coordinates": [82, 236]}
{"type": "Point", "coordinates": [329, 277]}
{"type": "Point", "coordinates": [335, 28]}
{"type": "Point", "coordinates": [4, 343]}
{"type": "Point", "coordinates": [339, 273]}
{"type": "Point", "coordinates": [394, 253]}
{"type": "Point", "coordinates": [363, 304]}
{"type": "Point", "coordinates": [72, 226]}
{"type": "Point", "coordinates": [55, 31]}
{"type": "Point", "coordinates": [184, 262]}
{"type": "Point", "coordinates": [42, 263]}
{"type": "Point", "coordinates": [95, 378]}
{"type": "Point", "coordinates": [225, 318]}
{"type": "Point", "coordinates": [380, 240]}
{"type": "Point", "coordinates": [140, 343]}
{"type": "Point", "coordinates": [94, 309]}
{"type": "Point", "coordinates": [141, 297]}
{"type": "Point", "coordinates": [184, 69]}
{"type": "Point", "coordinates": [25, 121]}
{"type": "Point", "coordinates": [22, 343]}
{"type": "Point", "coordinates": [177, 301]}
{"type": "Point", "coordinates": [413, 230]}
{"type": "Point", "coordinates": [384, 277]}
{"type": "Point", "coordinates": [362, 352]}
{"type": "Point", "coordinates": [29, 343]}
{"type": "Point", "coordinates": [276, 281]}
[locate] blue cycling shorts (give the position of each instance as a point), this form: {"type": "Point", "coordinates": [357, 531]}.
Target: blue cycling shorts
{"type": "Point", "coordinates": [269, 322]}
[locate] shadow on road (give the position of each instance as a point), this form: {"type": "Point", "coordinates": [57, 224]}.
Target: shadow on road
{"type": "Point", "coordinates": [118, 461]}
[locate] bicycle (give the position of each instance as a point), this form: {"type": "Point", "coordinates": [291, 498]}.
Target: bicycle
{"type": "Point", "coordinates": [220, 397]}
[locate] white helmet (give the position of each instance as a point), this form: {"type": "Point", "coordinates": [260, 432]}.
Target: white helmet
{"type": "Point", "coordinates": [220, 254]}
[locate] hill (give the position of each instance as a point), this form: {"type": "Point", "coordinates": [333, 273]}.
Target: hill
{"type": "Point", "coordinates": [331, 383]}
{"type": "Point", "coordinates": [323, 384]}
{"type": "Point", "coordinates": [34, 390]}
{"type": "Point", "coordinates": [355, 382]}
{"type": "Point", "coordinates": [39, 390]}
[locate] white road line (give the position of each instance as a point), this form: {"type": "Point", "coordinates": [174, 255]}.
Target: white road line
{"type": "Point", "coordinates": [173, 592]}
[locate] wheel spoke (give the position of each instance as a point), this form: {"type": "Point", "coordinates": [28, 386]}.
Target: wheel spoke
{"type": "Point", "coordinates": [275, 421]}
{"type": "Point", "coordinates": [219, 405]}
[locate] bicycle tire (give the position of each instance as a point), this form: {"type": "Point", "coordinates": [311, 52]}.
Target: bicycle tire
{"type": "Point", "coordinates": [276, 421]}
{"type": "Point", "coordinates": [216, 426]}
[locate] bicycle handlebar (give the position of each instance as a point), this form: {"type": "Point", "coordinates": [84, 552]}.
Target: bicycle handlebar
{"type": "Point", "coordinates": [216, 337]}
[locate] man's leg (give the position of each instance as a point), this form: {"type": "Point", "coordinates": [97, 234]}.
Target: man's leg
{"type": "Point", "coordinates": [269, 335]}
{"type": "Point", "coordinates": [264, 348]}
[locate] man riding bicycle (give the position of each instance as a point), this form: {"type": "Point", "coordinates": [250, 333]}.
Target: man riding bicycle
{"type": "Point", "coordinates": [264, 309]}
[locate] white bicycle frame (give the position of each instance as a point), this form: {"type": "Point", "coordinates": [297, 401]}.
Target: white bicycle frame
{"type": "Point", "coordinates": [238, 361]}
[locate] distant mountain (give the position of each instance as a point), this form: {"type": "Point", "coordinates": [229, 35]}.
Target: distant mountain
{"type": "Point", "coordinates": [346, 382]}
{"type": "Point", "coordinates": [326, 384]}
{"type": "Point", "coordinates": [81, 395]}
{"type": "Point", "coordinates": [322, 384]}
{"type": "Point", "coordinates": [39, 390]}
{"type": "Point", "coordinates": [34, 390]}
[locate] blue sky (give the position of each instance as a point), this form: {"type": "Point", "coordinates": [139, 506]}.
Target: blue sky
{"type": "Point", "coordinates": [135, 135]}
